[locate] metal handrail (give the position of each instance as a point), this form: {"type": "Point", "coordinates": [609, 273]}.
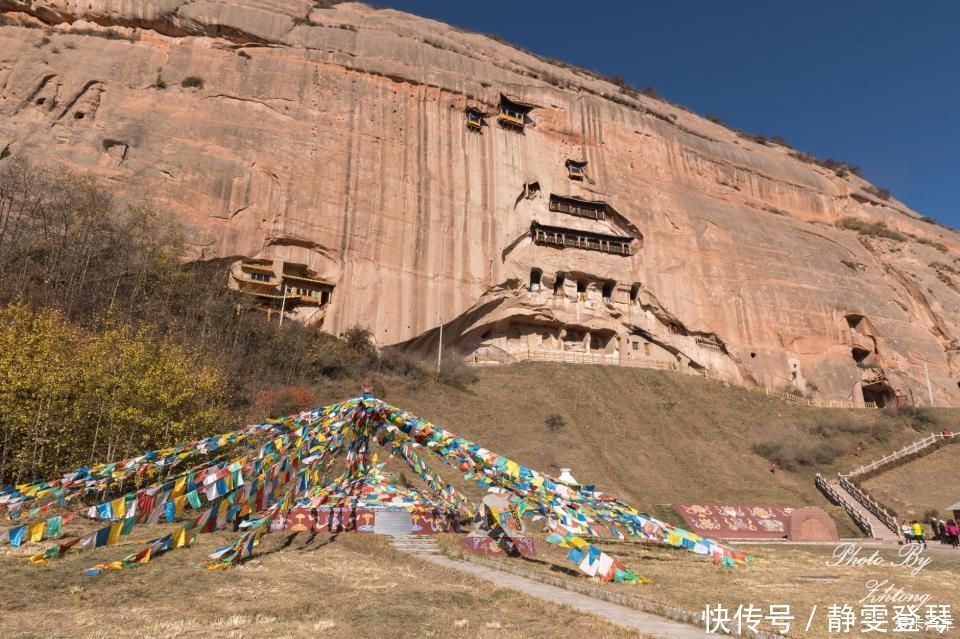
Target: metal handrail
{"type": "Point", "coordinates": [834, 496]}
{"type": "Point", "coordinates": [870, 504]}
{"type": "Point", "coordinates": [910, 449]}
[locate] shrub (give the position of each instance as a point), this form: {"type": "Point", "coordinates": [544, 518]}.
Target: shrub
{"type": "Point", "coordinates": [873, 229]}
{"type": "Point", "coordinates": [781, 141]}
{"type": "Point", "coordinates": [44, 41]}
{"type": "Point", "coordinates": [107, 34]}
{"type": "Point", "coordinates": [455, 372]}
{"type": "Point", "coordinates": [402, 364]}
{"type": "Point", "coordinates": [554, 423]}
{"type": "Point", "coordinates": [159, 84]}
{"type": "Point", "coordinates": [283, 401]}
{"type": "Point", "coordinates": [192, 82]}
{"type": "Point", "coordinates": [790, 456]}
{"type": "Point", "coordinates": [881, 432]}
{"type": "Point", "coordinates": [714, 118]}
{"type": "Point", "coordinates": [918, 418]}
{"type": "Point", "coordinates": [883, 194]}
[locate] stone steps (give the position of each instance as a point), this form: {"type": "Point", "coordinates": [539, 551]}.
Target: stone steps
{"type": "Point", "coordinates": [415, 544]}
{"type": "Point", "coordinates": [880, 530]}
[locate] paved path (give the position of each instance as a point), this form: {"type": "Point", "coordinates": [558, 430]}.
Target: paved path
{"type": "Point", "coordinates": [647, 624]}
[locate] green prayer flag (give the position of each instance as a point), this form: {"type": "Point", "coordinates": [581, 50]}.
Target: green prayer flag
{"type": "Point", "coordinates": [53, 527]}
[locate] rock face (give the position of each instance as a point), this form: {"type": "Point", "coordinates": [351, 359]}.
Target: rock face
{"type": "Point", "coordinates": [337, 138]}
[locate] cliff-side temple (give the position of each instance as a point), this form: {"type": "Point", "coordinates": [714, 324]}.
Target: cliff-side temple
{"type": "Point", "coordinates": [282, 287]}
{"type": "Point", "coordinates": [426, 183]}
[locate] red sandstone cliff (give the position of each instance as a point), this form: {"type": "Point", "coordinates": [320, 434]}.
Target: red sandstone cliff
{"type": "Point", "coordinates": [337, 138]}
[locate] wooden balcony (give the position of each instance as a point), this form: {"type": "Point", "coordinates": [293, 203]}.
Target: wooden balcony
{"type": "Point", "coordinates": [511, 118]}
{"type": "Point", "coordinates": [573, 238]}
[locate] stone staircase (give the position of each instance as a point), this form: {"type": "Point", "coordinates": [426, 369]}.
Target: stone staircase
{"type": "Point", "coordinates": [415, 544]}
{"type": "Point", "coordinates": [882, 529]}
{"type": "Point", "coordinates": [867, 521]}
{"type": "Point", "coordinates": [869, 514]}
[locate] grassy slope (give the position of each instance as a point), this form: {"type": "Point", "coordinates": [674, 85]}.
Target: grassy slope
{"type": "Point", "coordinates": [355, 587]}
{"type": "Point", "coordinates": [650, 437]}
{"type": "Point", "coordinates": [924, 484]}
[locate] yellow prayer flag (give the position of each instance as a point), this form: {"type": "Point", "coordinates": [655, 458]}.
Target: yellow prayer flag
{"type": "Point", "coordinates": [119, 507]}
{"type": "Point", "coordinates": [180, 537]}
{"type": "Point", "coordinates": [178, 505]}
{"type": "Point", "coordinates": [178, 487]}
{"type": "Point", "coordinates": [36, 530]}
{"type": "Point", "coordinates": [114, 534]}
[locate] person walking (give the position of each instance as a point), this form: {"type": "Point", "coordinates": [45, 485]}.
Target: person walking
{"type": "Point", "coordinates": [953, 534]}
{"type": "Point", "coordinates": [907, 533]}
{"type": "Point", "coordinates": [917, 529]}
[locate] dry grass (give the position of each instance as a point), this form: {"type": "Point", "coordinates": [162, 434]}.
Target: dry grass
{"type": "Point", "coordinates": [924, 484]}
{"type": "Point", "coordinates": [652, 437]}
{"type": "Point", "coordinates": [351, 587]}
{"type": "Point", "coordinates": [683, 581]}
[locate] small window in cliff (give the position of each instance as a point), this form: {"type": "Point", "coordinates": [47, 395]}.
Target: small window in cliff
{"type": "Point", "coordinates": [576, 169]}
{"type": "Point", "coordinates": [78, 115]}
{"type": "Point", "coordinates": [608, 292]}
{"type": "Point", "coordinates": [859, 354]}
{"type": "Point", "coordinates": [513, 114]}
{"type": "Point", "coordinates": [558, 284]}
{"type": "Point", "coordinates": [475, 119]}
{"type": "Point", "coordinates": [635, 293]}
{"type": "Point", "coordinates": [41, 101]}
{"type": "Point", "coordinates": [581, 290]}
{"type": "Point", "coordinates": [535, 275]}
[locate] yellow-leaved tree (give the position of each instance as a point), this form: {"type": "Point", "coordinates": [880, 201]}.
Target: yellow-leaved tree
{"type": "Point", "coordinates": [70, 397]}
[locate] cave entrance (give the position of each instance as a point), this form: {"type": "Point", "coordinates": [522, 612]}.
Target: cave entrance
{"type": "Point", "coordinates": [608, 292]}
{"type": "Point", "coordinates": [558, 284]}
{"type": "Point", "coordinates": [581, 290]}
{"type": "Point", "coordinates": [881, 394]}
{"type": "Point", "coordinates": [535, 276]}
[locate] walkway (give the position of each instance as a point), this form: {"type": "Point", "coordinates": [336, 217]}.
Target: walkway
{"type": "Point", "coordinates": [647, 624]}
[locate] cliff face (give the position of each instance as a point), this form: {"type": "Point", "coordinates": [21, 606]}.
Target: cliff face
{"type": "Point", "coordinates": [337, 138]}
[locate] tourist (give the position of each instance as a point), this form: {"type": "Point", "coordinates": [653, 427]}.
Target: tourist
{"type": "Point", "coordinates": [953, 534]}
{"type": "Point", "coordinates": [917, 529]}
{"type": "Point", "coordinates": [907, 532]}
{"type": "Point", "coordinates": [859, 449]}
{"type": "Point", "coordinates": [942, 531]}
{"type": "Point", "coordinates": [934, 529]}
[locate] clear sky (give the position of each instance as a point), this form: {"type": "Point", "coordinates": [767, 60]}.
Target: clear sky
{"type": "Point", "coordinates": [873, 83]}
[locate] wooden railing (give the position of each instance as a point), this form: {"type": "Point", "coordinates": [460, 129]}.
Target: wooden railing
{"type": "Point", "coordinates": [787, 397]}
{"type": "Point", "coordinates": [616, 360]}
{"type": "Point", "coordinates": [870, 504]}
{"type": "Point", "coordinates": [569, 358]}
{"type": "Point", "coordinates": [579, 211]}
{"type": "Point", "coordinates": [833, 495]}
{"type": "Point", "coordinates": [906, 451]}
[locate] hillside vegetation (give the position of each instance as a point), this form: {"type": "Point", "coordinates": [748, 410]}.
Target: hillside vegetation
{"type": "Point", "coordinates": [110, 344]}
{"type": "Point", "coordinates": [921, 486]}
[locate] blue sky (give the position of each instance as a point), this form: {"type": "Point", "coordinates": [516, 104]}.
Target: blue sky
{"type": "Point", "coordinates": [873, 83]}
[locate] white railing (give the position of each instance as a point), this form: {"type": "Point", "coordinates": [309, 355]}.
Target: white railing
{"type": "Point", "coordinates": [870, 504]}
{"type": "Point", "coordinates": [834, 495]}
{"type": "Point", "coordinates": [906, 451]}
